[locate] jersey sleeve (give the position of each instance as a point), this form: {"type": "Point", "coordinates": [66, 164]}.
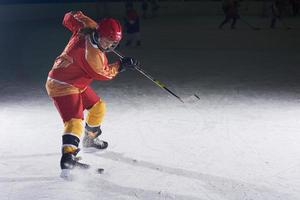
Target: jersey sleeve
{"type": "Point", "coordinates": [76, 20]}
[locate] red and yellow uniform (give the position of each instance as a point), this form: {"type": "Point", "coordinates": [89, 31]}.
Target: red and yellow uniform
{"type": "Point", "coordinates": [79, 64]}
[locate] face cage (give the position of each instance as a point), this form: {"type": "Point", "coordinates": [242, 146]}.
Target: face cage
{"type": "Point", "coordinates": [111, 48]}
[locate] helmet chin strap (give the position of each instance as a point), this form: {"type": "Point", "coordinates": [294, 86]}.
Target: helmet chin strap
{"type": "Point", "coordinates": [94, 39]}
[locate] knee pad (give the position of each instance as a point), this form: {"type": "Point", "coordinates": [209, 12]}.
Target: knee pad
{"type": "Point", "coordinates": [96, 114]}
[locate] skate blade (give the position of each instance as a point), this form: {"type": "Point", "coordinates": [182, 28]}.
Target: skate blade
{"type": "Point", "coordinates": [192, 99]}
{"type": "Point", "coordinates": [66, 174]}
{"type": "Point", "coordinates": [92, 150]}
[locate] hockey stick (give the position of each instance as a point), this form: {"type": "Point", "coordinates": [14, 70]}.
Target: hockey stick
{"type": "Point", "coordinates": [157, 82]}
{"type": "Point", "coordinates": [151, 78]}
{"type": "Point", "coordinates": [250, 25]}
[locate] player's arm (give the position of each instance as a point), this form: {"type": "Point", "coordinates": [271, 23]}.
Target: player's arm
{"type": "Point", "coordinates": [76, 20]}
{"type": "Point", "coordinates": [96, 65]}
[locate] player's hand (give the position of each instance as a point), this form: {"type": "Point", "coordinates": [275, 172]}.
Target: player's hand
{"type": "Point", "coordinates": [128, 63]}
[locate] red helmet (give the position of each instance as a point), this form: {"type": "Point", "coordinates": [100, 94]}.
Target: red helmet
{"type": "Point", "coordinates": [110, 28]}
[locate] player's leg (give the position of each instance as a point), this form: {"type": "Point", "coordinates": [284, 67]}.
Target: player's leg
{"type": "Point", "coordinates": [96, 111]}
{"type": "Point", "coordinates": [227, 18]}
{"type": "Point", "coordinates": [234, 19]}
{"type": "Point", "coordinates": [138, 38]}
{"type": "Point", "coordinates": [130, 38]}
{"type": "Point", "coordinates": [71, 110]}
{"type": "Point", "coordinates": [273, 22]}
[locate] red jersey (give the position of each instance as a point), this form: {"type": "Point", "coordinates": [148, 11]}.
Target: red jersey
{"type": "Point", "coordinates": [81, 61]}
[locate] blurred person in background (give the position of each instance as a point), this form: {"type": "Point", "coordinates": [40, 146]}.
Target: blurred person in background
{"type": "Point", "coordinates": [295, 6]}
{"type": "Point", "coordinates": [277, 8]}
{"type": "Point", "coordinates": [265, 9]}
{"type": "Point", "coordinates": [230, 9]}
{"type": "Point", "coordinates": [145, 7]}
{"type": "Point", "coordinates": [154, 8]}
{"type": "Point", "coordinates": [132, 26]}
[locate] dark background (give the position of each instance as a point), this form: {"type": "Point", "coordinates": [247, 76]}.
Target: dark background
{"type": "Point", "coordinates": [181, 46]}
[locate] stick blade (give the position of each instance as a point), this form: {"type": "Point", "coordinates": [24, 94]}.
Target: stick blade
{"type": "Point", "coordinates": [192, 99]}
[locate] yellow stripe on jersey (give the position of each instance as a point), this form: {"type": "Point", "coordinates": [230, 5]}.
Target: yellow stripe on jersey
{"type": "Point", "coordinates": [56, 88]}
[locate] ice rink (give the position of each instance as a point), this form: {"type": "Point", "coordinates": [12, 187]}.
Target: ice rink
{"type": "Point", "coordinates": [239, 142]}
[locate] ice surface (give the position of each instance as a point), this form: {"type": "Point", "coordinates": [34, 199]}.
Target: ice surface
{"type": "Point", "coordinates": [239, 142]}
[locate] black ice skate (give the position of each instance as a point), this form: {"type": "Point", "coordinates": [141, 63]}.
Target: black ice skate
{"type": "Point", "coordinates": [69, 161]}
{"type": "Point", "coordinates": [91, 139]}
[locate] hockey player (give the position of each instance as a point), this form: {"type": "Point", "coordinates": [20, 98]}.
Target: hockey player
{"type": "Point", "coordinates": [144, 7]}
{"type": "Point", "coordinates": [277, 9]}
{"type": "Point", "coordinates": [82, 61]}
{"type": "Point", "coordinates": [132, 25]}
{"type": "Point", "coordinates": [230, 9]}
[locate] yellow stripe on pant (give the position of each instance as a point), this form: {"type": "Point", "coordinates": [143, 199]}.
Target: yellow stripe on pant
{"type": "Point", "coordinates": [96, 114]}
{"type": "Point", "coordinates": [72, 133]}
